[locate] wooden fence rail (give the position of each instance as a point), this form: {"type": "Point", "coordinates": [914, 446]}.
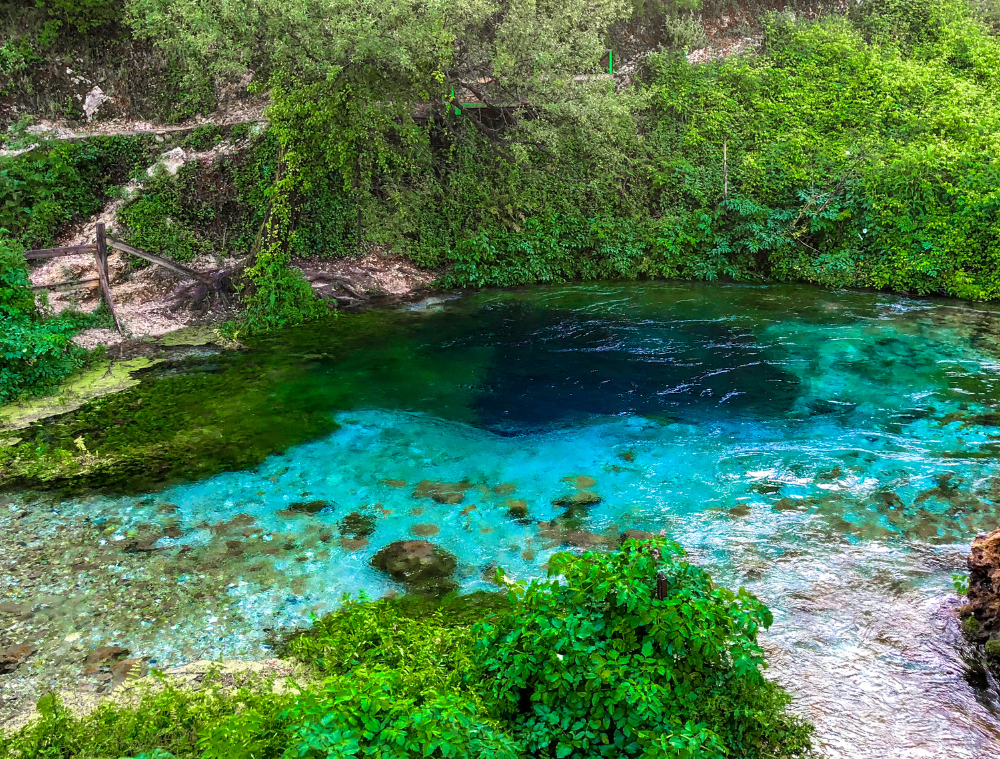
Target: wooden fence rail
{"type": "Point", "coordinates": [100, 250]}
{"type": "Point", "coordinates": [37, 255]}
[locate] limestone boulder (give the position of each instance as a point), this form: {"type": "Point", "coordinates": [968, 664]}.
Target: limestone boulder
{"type": "Point", "coordinates": [418, 564]}
{"type": "Point", "coordinates": [983, 599]}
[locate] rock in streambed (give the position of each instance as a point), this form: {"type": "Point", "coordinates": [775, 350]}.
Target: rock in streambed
{"type": "Point", "coordinates": [982, 610]}
{"type": "Point", "coordinates": [419, 564]}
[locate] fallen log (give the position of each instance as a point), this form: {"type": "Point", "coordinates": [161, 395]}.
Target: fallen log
{"type": "Point", "coordinates": [160, 261]}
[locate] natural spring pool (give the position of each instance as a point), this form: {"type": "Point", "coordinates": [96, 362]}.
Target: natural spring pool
{"type": "Point", "coordinates": [833, 452]}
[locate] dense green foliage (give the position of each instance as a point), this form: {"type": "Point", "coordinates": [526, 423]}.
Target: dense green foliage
{"type": "Point", "coordinates": [847, 151]}
{"type": "Point", "coordinates": [594, 664]}
{"type": "Point", "coordinates": [206, 206]}
{"type": "Point", "coordinates": [483, 139]}
{"type": "Point", "coordinates": [82, 15]}
{"type": "Point", "coordinates": [589, 665]}
{"type": "Point", "coordinates": [52, 52]}
{"type": "Point", "coordinates": [852, 161]}
{"type": "Point", "coordinates": [167, 218]}
{"type": "Point", "coordinates": [167, 722]}
{"type": "Point", "coordinates": [861, 152]}
{"type": "Point", "coordinates": [35, 352]}
{"type": "Point", "coordinates": [59, 182]}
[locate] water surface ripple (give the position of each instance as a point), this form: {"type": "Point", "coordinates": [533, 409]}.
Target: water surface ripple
{"type": "Point", "coordinates": [833, 452]}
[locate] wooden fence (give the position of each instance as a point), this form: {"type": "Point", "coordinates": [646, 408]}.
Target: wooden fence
{"type": "Point", "coordinates": [100, 250]}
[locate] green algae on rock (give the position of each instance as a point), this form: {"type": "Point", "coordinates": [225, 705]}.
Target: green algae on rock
{"type": "Point", "coordinates": [420, 565]}
{"type": "Point", "coordinates": [101, 379]}
{"type": "Point", "coordinates": [195, 416]}
{"type": "Point", "coordinates": [357, 525]}
{"type": "Point", "coordinates": [308, 507]}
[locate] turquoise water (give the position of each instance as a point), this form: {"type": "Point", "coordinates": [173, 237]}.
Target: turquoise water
{"type": "Point", "coordinates": [834, 452]}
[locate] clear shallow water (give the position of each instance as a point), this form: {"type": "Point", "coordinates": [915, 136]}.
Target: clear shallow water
{"type": "Point", "coordinates": [835, 453]}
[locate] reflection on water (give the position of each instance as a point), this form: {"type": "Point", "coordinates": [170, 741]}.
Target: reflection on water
{"type": "Point", "coordinates": [835, 453]}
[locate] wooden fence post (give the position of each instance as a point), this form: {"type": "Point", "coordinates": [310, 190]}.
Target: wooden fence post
{"type": "Point", "coordinates": [101, 255]}
{"type": "Point", "coordinates": [662, 585]}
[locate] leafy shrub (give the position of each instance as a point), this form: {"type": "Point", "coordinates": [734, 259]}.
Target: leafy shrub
{"type": "Point", "coordinates": [381, 716]}
{"type": "Point", "coordinates": [594, 664]}
{"type": "Point", "coordinates": [206, 207]}
{"type": "Point", "coordinates": [83, 15]}
{"type": "Point", "coordinates": [960, 582]}
{"type": "Point", "coordinates": [431, 640]}
{"type": "Point", "coordinates": [15, 57]}
{"type": "Point", "coordinates": [59, 182]}
{"type": "Point", "coordinates": [182, 92]}
{"type": "Point", "coordinates": [203, 137]}
{"type": "Point", "coordinates": [277, 295]}
{"type": "Point", "coordinates": [35, 353]}
{"type": "Point", "coordinates": [164, 721]}
{"type": "Point", "coordinates": [167, 218]}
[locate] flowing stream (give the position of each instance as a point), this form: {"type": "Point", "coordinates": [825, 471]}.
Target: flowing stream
{"type": "Point", "coordinates": [833, 452]}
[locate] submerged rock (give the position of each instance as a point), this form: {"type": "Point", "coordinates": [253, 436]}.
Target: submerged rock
{"type": "Point", "coordinates": [830, 474]}
{"type": "Point", "coordinates": [516, 508]}
{"type": "Point", "coordinates": [234, 524]}
{"type": "Point", "coordinates": [107, 653]}
{"type": "Point", "coordinates": [982, 611]}
{"type": "Point", "coordinates": [357, 525]}
{"type": "Point", "coordinates": [632, 534]}
{"type": "Point", "coordinates": [569, 532]}
{"type": "Point", "coordinates": [448, 493]}
{"type": "Point", "coordinates": [419, 564]}
{"type": "Point", "coordinates": [308, 507]}
{"type": "Point", "coordinates": [425, 530]}
{"type": "Point", "coordinates": [580, 481]}
{"type": "Point", "coordinates": [578, 499]}
{"type": "Point", "coordinates": [12, 656]}
{"type": "Point", "coordinates": [22, 611]}
{"type": "Point", "coordinates": [353, 544]}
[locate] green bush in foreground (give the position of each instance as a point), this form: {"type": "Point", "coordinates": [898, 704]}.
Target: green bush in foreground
{"type": "Point", "coordinates": [594, 664]}
{"type": "Point", "coordinates": [590, 664]}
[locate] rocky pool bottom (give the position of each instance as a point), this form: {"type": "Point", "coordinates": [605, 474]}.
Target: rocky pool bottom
{"type": "Point", "coordinates": [834, 453]}
{"type": "Point", "coordinates": [865, 632]}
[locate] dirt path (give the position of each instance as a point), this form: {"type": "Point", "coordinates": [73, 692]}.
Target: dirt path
{"type": "Point", "coordinates": [245, 111]}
